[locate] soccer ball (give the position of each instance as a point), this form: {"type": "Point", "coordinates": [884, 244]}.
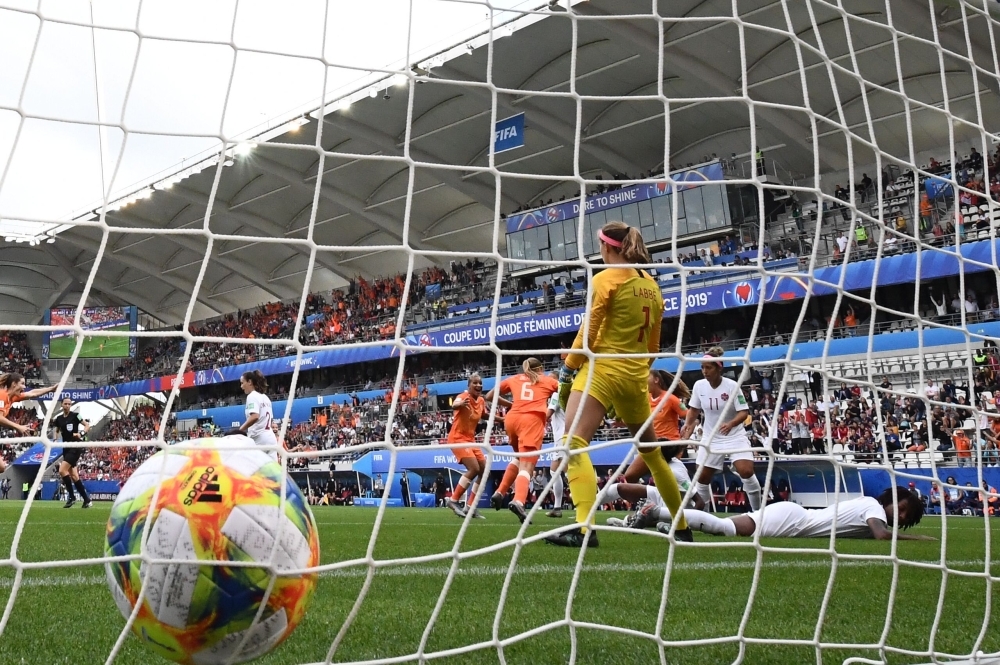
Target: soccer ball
{"type": "Point", "coordinates": [214, 504]}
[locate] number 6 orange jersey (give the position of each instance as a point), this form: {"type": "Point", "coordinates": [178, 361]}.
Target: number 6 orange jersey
{"type": "Point", "coordinates": [529, 397]}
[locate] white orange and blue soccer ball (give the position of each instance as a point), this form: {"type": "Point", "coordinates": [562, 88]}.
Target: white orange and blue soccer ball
{"type": "Point", "coordinates": [219, 533]}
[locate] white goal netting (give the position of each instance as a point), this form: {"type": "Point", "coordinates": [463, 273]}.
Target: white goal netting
{"type": "Point", "coordinates": [375, 201]}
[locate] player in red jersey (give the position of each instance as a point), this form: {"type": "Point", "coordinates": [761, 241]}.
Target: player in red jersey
{"type": "Point", "coordinates": [11, 392]}
{"type": "Point", "coordinates": [525, 424]}
{"type": "Point", "coordinates": [470, 408]}
{"type": "Point", "coordinates": [666, 421]}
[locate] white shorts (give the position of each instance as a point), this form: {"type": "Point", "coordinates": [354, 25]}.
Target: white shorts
{"type": "Point", "coordinates": [558, 424]}
{"type": "Point", "coordinates": [715, 459]}
{"type": "Point", "coordinates": [266, 438]}
{"type": "Point", "coordinates": [780, 520]}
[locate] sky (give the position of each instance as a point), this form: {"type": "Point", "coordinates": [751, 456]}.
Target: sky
{"type": "Point", "coordinates": [148, 69]}
{"type": "Point", "coordinates": [144, 70]}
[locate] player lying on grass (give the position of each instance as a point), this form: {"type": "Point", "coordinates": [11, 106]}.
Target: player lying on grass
{"type": "Point", "coordinates": [855, 518]}
{"type": "Point", "coordinates": [645, 499]}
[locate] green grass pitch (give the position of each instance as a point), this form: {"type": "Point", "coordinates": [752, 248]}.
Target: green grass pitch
{"type": "Point", "coordinates": [66, 614]}
{"type": "Point", "coordinates": [114, 347]}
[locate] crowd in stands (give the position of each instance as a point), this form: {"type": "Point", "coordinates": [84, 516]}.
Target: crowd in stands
{"type": "Point", "coordinates": [365, 311]}
{"type": "Point", "coordinates": [16, 355]}
{"type": "Point", "coordinates": [869, 426]}
{"type": "Point", "coordinates": [117, 463]}
{"type": "Point", "coordinates": [28, 417]}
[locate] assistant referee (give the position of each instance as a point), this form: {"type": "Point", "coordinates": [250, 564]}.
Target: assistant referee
{"type": "Point", "coordinates": [71, 429]}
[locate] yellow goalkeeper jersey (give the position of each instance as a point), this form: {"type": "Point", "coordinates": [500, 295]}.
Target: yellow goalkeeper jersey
{"type": "Point", "coordinates": [626, 311]}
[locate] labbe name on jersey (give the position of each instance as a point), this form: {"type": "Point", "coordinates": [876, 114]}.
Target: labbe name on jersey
{"type": "Point", "coordinates": [643, 292]}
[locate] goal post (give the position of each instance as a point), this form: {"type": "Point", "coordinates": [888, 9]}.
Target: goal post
{"type": "Point", "coordinates": [819, 187]}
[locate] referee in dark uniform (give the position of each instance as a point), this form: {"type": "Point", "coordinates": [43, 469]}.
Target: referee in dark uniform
{"type": "Point", "coordinates": [71, 429]}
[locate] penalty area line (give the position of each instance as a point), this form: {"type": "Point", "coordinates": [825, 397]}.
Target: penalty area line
{"type": "Point", "coordinates": [534, 569]}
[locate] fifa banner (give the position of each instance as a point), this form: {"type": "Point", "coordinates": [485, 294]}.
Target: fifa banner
{"type": "Point", "coordinates": [417, 457]}
{"type": "Point", "coordinates": [35, 455]}
{"type": "Point", "coordinates": [747, 293]}
{"type": "Point", "coordinates": [509, 133]}
{"type": "Point", "coordinates": [99, 490]}
{"type": "Point", "coordinates": [710, 173]}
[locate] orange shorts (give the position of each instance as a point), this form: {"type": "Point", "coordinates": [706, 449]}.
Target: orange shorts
{"type": "Point", "coordinates": [466, 453]}
{"type": "Point", "coordinates": [526, 432]}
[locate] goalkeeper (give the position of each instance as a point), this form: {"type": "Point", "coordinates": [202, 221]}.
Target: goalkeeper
{"type": "Point", "coordinates": [625, 316]}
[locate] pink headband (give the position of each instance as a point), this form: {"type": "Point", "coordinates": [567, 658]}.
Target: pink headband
{"type": "Point", "coordinates": [713, 359]}
{"type": "Point", "coordinates": [608, 239]}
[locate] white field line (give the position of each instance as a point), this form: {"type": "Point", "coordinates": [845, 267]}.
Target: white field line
{"type": "Point", "coordinates": [534, 569]}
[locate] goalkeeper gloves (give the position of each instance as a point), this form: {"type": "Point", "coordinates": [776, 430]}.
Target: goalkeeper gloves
{"type": "Point", "coordinates": [566, 376]}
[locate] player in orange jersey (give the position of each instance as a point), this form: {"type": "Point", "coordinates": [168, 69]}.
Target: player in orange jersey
{"type": "Point", "coordinates": [525, 424]}
{"type": "Point", "coordinates": [470, 408]}
{"type": "Point", "coordinates": [11, 392]}
{"type": "Point", "coordinates": [666, 421]}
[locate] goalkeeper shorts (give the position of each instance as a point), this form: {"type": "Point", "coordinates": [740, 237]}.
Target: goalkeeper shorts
{"type": "Point", "coordinates": [624, 390]}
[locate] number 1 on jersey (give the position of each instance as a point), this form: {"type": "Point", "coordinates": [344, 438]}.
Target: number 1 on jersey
{"type": "Point", "coordinates": [645, 325]}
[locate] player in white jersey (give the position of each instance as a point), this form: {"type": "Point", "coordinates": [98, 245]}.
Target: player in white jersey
{"type": "Point", "coordinates": [725, 409]}
{"type": "Point", "coordinates": [855, 518]}
{"type": "Point", "coordinates": [259, 414]}
{"type": "Point", "coordinates": [557, 420]}
{"type": "Point", "coordinates": [646, 498]}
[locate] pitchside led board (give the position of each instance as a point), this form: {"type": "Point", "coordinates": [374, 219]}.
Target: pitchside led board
{"type": "Point", "coordinates": [509, 133]}
{"type": "Point", "coordinates": [94, 321]}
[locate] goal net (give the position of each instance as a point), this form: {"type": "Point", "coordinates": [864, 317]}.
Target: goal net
{"type": "Point", "coordinates": [373, 203]}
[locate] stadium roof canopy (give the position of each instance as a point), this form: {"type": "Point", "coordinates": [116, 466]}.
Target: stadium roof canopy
{"type": "Point", "coordinates": [361, 210]}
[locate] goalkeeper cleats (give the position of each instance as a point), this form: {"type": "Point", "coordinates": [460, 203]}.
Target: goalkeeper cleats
{"type": "Point", "coordinates": [575, 538]}
{"type": "Point", "coordinates": [455, 508]}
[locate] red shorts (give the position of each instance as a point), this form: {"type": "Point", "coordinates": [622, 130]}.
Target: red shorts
{"type": "Point", "coordinates": [526, 432]}
{"type": "Point", "coordinates": [466, 453]}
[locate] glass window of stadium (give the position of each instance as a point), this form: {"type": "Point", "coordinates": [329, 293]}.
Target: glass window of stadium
{"type": "Point", "coordinates": [699, 209]}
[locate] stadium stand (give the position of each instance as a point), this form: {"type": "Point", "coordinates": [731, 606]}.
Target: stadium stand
{"type": "Point", "coordinates": [20, 416]}
{"type": "Point", "coordinates": [16, 355]}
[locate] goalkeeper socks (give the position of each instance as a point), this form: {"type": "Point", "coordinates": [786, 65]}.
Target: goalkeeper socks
{"type": "Point", "coordinates": [82, 490]}
{"type": "Point", "coordinates": [666, 483]}
{"type": "Point", "coordinates": [752, 487]}
{"type": "Point", "coordinates": [582, 479]}
{"type": "Point", "coordinates": [610, 494]}
{"type": "Point", "coordinates": [509, 474]}
{"type": "Point", "coordinates": [557, 492]}
{"type": "Point", "coordinates": [68, 484]}
{"type": "Point", "coordinates": [709, 523]}
{"type": "Point", "coordinates": [521, 486]}
{"type": "Point", "coordinates": [459, 490]}
{"type": "Point", "coordinates": [705, 492]}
